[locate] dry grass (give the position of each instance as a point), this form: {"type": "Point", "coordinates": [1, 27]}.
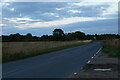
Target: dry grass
{"type": "Point", "coordinates": [19, 50]}
{"type": "Point", "coordinates": [26, 47]}
{"type": "Point", "coordinates": [112, 47]}
{"type": "Point", "coordinates": [115, 43]}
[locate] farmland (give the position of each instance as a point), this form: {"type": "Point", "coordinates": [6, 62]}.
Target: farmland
{"type": "Point", "coordinates": [18, 50]}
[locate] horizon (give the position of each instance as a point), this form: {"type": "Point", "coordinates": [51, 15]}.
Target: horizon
{"type": "Point", "coordinates": [43, 17]}
{"type": "Point", "coordinates": [61, 29]}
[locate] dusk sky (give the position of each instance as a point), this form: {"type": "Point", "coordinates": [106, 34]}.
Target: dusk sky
{"type": "Point", "coordinates": [41, 18]}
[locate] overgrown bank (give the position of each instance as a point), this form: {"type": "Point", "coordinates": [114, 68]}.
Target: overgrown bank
{"type": "Point", "coordinates": [112, 48]}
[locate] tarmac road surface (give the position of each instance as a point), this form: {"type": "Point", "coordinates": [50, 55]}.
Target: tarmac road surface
{"type": "Point", "coordinates": [59, 64]}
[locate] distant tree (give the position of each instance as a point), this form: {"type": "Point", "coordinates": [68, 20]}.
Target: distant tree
{"type": "Point", "coordinates": [29, 37]}
{"type": "Point", "coordinates": [47, 38]}
{"type": "Point", "coordinates": [79, 35]}
{"type": "Point", "coordinates": [76, 36]}
{"type": "Point", "coordinates": [90, 37]}
{"type": "Point", "coordinates": [58, 35]}
{"type": "Point", "coordinates": [35, 38]}
{"type": "Point", "coordinates": [59, 32]}
{"type": "Point", "coordinates": [15, 37]}
{"type": "Point", "coordinates": [69, 36]}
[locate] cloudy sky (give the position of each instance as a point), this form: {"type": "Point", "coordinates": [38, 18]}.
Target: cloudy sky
{"type": "Point", "coordinates": [41, 18]}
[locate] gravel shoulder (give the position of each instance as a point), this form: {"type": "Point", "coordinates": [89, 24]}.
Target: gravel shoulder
{"type": "Point", "coordinates": [107, 67]}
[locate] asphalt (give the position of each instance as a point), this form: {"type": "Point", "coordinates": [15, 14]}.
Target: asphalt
{"type": "Point", "coordinates": [59, 64]}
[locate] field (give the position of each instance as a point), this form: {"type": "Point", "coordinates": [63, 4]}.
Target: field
{"type": "Point", "coordinates": [112, 47]}
{"type": "Point", "coordinates": [19, 50]}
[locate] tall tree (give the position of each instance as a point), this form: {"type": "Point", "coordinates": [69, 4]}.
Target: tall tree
{"type": "Point", "coordinates": [58, 35]}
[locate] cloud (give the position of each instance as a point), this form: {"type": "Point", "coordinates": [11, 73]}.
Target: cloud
{"type": "Point", "coordinates": [58, 0]}
{"type": "Point", "coordinates": [57, 16]}
{"type": "Point", "coordinates": [8, 0]}
{"type": "Point", "coordinates": [101, 0]}
{"type": "Point", "coordinates": [113, 9]}
{"type": "Point", "coordinates": [44, 16]}
{"type": "Point", "coordinates": [20, 20]}
{"type": "Point", "coordinates": [12, 9]}
{"type": "Point", "coordinates": [86, 3]}
{"type": "Point", "coordinates": [60, 9]}
{"type": "Point", "coordinates": [50, 14]}
{"type": "Point", "coordinates": [110, 10]}
{"type": "Point", "coordinates": [26, 19]}
{"type": "Point", "coordinates": [63, 21]}
{"type": "Point", "coordinates": [1, 25]}
{"type": "Point", "coordinates": [74, 11]}
{"type": "Point", "coordinates": [4, 4]}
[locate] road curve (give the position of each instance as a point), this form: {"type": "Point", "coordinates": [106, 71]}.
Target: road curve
{"type": "Point", "coordinates": [59, 64]}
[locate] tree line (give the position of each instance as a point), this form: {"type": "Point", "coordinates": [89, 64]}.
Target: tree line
{"type": "Point", "coordinates": [58, 35]}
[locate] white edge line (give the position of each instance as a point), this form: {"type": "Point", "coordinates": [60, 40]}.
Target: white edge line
{"type": "Point", "coordinates": [92, 57]}
{"type": "Point", "coordinates": [99, 50]}
{"type": "Point", "coordinates": [88, 61]}
{"type": "Point", "coordinates": [95, 54]}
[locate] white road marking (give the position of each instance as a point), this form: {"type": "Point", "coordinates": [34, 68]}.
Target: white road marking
{"type": "Point", "coordinates": [99, 50]}
{"type": "Point", "coordinates": [92, 57]}
{"type": "Point", "coordinates": [75, 73]}
{"type": "Point", "coordinates": [102, 69]}
{"type": "Point", "coordinates": [95, 54]}
{"type": "Point", "coordinates": [88, 62]}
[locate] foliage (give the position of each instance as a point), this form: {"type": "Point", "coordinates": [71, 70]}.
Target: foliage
{"type": "Point", "coordinates": [59, 35]}
{"type": "Point", "coordinates": [113, 52]}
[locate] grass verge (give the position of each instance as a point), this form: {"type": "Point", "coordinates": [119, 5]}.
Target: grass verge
{"type": "Point", "coordinates": [18, 56]}
{"type": "Point", "coordinates": [112, 52]}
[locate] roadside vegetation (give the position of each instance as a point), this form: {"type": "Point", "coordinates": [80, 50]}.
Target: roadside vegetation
{"type": "Point", "coordinates": [112, 47]}
{"type": "Point", "coordinates": [16, 53]}
{"type": "Point", "coordinates": [113, 52]}
{"type": "Point", "coordinates": [58, 35]}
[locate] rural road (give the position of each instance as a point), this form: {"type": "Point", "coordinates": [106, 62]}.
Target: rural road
{"type": "Point", "coordinates": [59, 64]}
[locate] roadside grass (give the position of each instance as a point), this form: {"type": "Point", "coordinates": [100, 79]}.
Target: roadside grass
{"type": "Point", "coordinates": [18, 56]}
{"type": "Point", "coordinates": [112, 47]}
{"type": "Point", "coordinates": [111, 51]}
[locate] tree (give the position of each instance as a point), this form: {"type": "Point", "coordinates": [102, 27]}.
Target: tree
{"type": "Point", "coordinates": [76, 36]}
{"type": "Point", "coordinates": [79, 35]}
{"type": "Point", "coordinates": [15, 37]}
{"type": "Point", "coordinates": [46, 38]}
{"type": "Point", "coordinates": [29, 36]}
{"type": "Point", "coordinates": [59, 32]}
{"type": "Point", "coordinates": [58, 35]}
